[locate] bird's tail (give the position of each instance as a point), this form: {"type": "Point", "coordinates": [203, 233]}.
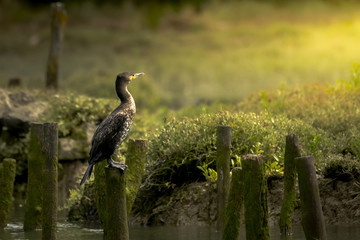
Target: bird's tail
{"type": "Point", "coordinates": [87, 174]}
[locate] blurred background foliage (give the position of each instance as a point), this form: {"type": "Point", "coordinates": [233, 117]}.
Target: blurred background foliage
{"type": "Point", "coordinates": [218, 53]}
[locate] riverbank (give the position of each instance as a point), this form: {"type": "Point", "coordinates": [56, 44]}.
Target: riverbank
{"type": "Point", "coordinates": [195, 204]}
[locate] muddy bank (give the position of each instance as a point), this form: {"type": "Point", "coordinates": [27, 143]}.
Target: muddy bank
{"type": "Point", "coordinates": [195, 204]}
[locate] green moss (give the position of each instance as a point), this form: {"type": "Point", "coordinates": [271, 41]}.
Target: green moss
{"type": "Point", "coordinates": [7, 178]}
{"type": "Point", "coordinates": [100, 189]}
{"type": "Point", "coordinates": [116, 226]}
{"type": "Point", "coordinates": [135, 160]}
{"type": "Point", "coordinates": [233, 207]}
{"type": "Point", "coordinates": [292, 150]}
{"type": "Point", "coordinates": [84, 204]}
{"type": "Point", "coordinates": [255, 202]}
{"type": "Point", "coordinates": [36, 159]}
{"type": "Point", "coordinates": [223, 141]}
{"type": "Point", "coordinates": [49, 182]}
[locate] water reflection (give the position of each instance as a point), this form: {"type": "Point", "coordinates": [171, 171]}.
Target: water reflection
{"type": "Point", "coordinates": [14, 231]}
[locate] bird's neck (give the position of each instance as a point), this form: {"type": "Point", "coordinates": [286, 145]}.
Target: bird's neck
{"type": "Point", "coordinates": [124, 94]}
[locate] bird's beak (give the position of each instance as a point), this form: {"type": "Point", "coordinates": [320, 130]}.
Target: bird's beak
{"type": "Point", "coordinates": [137, 75]}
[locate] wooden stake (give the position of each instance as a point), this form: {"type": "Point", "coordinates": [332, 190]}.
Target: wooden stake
{"type": "Point", "coordinates": [312, 218]}
{"type": "Point", "coordinates": [58, 21]}
{"type": "Point", "coordinates": [234, 205]}
{"type": "Point", "coordinates": [255, 201]}
{"type": "Point", "coordinates": [135, 160]}
{"type": "Point", "coordinates": [116, 227]}
{"type": "Point", "coordinates": [292, 151]}
{"type": "Point", "coordinates": [41, 199]}
{"type": "Point", "coordinates": [7, 179]}
{"type": "Point", "coordinates": [223, 144]}
{"type": "Point", "coordinates": [49, 182]}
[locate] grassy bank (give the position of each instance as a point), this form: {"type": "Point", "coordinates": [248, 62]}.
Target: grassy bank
{"type": "Point", "coordinates": [223, 53]}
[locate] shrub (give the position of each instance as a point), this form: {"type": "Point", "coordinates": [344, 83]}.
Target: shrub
{"type": "Point", "coordinates": [181, 150]}
{"type": "Point", "coordinates": [72, 112]}
{"type": "Point", "coordinates": [345, 168]}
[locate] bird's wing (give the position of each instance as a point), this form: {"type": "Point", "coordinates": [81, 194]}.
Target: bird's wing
{"type": "Point", "coordinates": [107, 135]}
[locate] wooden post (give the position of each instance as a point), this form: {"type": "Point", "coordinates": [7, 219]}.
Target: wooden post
{"type": "Point", "coordinates": [36, 159]}
{"type": "Point", "coordinates": [223, 144]}
{"type": "Point", "coordinates": [135, 160]}
{"type": "Point", "coordinates": [233, 207]}
{"type": "Point", "coordinates": [312, 218]}
{"type": "Point", "coordinates": [100, 189]}
{"type": "Point", "coordinates": [255, 201]}
{"type": "Point", "coordinates": [41, 199]}
{"type": "Point", "coordinates": [49, 181]}
{"type": "Point", "coordinates": [292, 151]}
{"type": "Point", "coordinates": [58, 21]}
{"type": "Point", "coordinates": [116, 227]}
{"type": "Point", "coordinates": [7, 179]}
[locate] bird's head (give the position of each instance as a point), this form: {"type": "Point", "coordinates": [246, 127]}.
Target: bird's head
{"type": "Point", "coordinates": [127, 77]}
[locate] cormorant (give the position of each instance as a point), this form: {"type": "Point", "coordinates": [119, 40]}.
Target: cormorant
{"type": "Point", "coordinates": [114, 128]}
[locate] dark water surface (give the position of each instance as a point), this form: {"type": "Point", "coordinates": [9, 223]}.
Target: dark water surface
{"type": "Point", "coordinates": [66, 231]}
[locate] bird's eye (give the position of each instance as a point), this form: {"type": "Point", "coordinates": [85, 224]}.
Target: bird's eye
{"type": "Point", "coordinates": [132, 77]}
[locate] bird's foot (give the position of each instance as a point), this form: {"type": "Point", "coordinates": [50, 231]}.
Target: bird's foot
{"type": "Point", "coordinates": [113, 164]}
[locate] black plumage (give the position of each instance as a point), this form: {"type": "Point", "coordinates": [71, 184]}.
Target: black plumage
{"type": "Point", "coordinates": [114, 128]}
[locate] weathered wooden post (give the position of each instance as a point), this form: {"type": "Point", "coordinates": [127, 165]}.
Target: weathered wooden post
{"type": "Point", "coordinates": [312, 218]}
{"type": "Point", "coordinates": [100, 188]}
{"type": "Point", "coordinates": [255, 201]}
{"type": "Point", "coordinates": [49, 181]}
{"type": "Point", "coordinates": [223, 144]}
{"type": "Point", "coordinates": [135, 160]}
{"type": "Point", "coordinates": [58, 21]}
{"type": "Point", "coordinates": [292, 151]}
{"type": "Point", "coordinates": [7, 178]}
{"type": "Point", "coordinates": [116, 227]}
{"type": "Point", "coordinates": [41, 199]}
{"type": "Point", "coordinates": [36, 159]}
{"type": "Point", "coordinates": [233, 207]}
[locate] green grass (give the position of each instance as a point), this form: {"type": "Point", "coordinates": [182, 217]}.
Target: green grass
{"type": "Point", "coordinates": [223, 53]}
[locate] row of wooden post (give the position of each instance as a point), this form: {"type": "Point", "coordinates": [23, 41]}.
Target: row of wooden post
{"type": "Point", "coordinates": [248, 187]}
{"type": "Point", "coordinates": [41, 198]}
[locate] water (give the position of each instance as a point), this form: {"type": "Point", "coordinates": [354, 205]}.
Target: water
{"type": "Point", "coordinates": [66, 231]}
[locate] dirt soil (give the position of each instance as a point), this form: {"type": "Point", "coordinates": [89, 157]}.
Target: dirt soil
{"type": "Point", "coordinates": [195, 204]}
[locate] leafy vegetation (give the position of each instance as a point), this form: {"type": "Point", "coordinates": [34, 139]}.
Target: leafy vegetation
{"type": "Point", "coordinates": [183, 147]}
{"type": "Point", "coordinates": [72, 112]}
{"type": "Point", "coordinates": [332, 108]}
